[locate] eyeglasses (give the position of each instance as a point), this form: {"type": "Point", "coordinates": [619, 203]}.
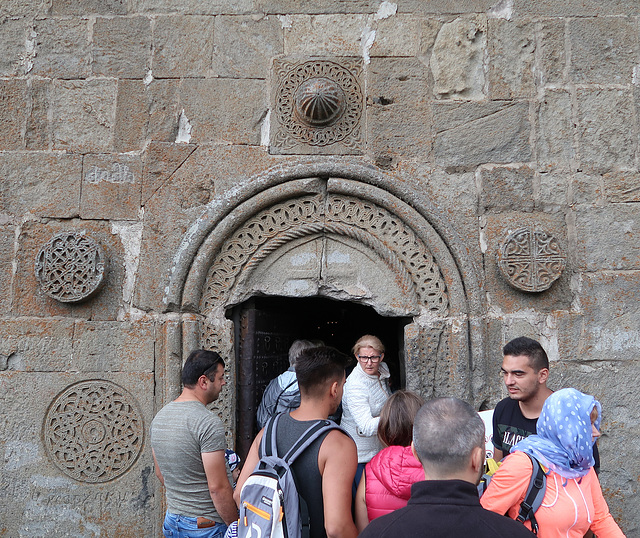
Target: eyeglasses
{"type": "Point", "coordinates": [373, 358]}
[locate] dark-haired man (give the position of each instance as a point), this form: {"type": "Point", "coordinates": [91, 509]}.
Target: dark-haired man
{"type": "Point", "coordinates": [448, 440]}
{"type": "Point", "coordinates": [324, 472]}
{"type": "Point", "coordinates": [188, 445]}
{"type": "Point", "coordinates": [525, 369]}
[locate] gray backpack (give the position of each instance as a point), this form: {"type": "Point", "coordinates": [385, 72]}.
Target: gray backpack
{"type": "Point", "coordinates": [270, 506]}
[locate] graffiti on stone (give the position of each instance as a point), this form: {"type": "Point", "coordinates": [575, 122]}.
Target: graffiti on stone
{"type": "Point", "coordinates": [93, 431]}
{"type": "Point", "coordinates": [70, 267]}
{"type": "Point", "coordinates": [119, 173]}
{"type": "Point", "coordinates": [531, 259]}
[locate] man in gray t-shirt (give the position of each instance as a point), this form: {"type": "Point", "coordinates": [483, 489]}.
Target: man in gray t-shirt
{"type": "Point", "coordinates": [188, 445]}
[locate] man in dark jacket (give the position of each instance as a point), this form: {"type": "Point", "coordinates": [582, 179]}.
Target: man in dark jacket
{"type": "Point", "coordinates": [448, 439]}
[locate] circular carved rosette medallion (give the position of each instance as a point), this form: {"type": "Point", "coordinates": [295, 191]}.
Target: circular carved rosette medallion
{"type": "Point", "coordinates": [70, 267]}
{"type": "Point", "coordinates": [318, 102]}
{"type": "Point", "coordinates": [93, 431]}
{"type": "Point", "coordinates": [531, 260]}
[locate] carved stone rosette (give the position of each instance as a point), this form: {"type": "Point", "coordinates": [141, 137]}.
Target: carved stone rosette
{"type": "Point", "coordinates": [93, 431]}
{"type": "Point", "coordinates": [318, 106]}
{"type": "Point", "coordinates": [70, 267]}
{"type": "Point", "coordinates": [531, 259]}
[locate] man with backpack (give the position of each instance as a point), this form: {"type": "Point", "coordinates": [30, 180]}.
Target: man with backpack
{"type": "Point", "coordinates": [323, 471]}
{"type": "Point", "coordinates": [448, 440]}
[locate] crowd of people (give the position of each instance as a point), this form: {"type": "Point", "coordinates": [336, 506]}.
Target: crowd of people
{"type": "Point", "coordinates": [398, 465]}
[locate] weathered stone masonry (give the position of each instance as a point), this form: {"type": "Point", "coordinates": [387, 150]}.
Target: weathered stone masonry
{"type": "Point", "coordinates": [470, 167]}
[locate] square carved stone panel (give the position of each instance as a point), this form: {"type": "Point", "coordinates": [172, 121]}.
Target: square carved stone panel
{"type": "Point", "coordinates": [317, 106]}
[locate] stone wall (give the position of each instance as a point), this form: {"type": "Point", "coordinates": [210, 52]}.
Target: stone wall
{"type": "Point", "coordinates": [138, 136]}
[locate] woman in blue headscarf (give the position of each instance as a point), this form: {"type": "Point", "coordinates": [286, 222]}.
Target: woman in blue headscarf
{"type": "Point", "coordinates": [573, 502]}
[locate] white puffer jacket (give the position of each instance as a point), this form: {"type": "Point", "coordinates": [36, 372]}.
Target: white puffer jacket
{"type": "Point", "coordinates": [363, 398]}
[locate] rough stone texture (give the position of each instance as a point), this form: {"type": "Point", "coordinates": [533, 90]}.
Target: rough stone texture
{"type": "Point", "coordinates": [113, 183]}
{"type": "Point", "coordinates": [224, 111]}
{"type": "Point", "coordinates": [398, 35]}
{"type": "Point", "coordinates": [121, 47]}
{"type": "Point", "coordinates": [603, 129]}
{"type": "Point", "coordinates": [83, 115]}
{"type": "Point", "coordinates": [13, 33]}
{"type": "Point", "coordinates": [551, 50]}
{"type": "Point", "coordinates": [622, 186]}
{"type": "Point", "coordinates": [468, 134]}
{"type": "Point", "coordinates": [457, 61]}
{"type": "Point", "coordinates": [32, 183]}
{"type": "Point", "coordinates": [132, 115]}
{"type": "Point", "coordinates": [555, 130]}
{"type": "Point", "coordinates": [182, 46]}
{"type": "Point", "coordinates": [12, 112]}
{"type": "Point", "coordinates": [324, 34]}
{"type": "Point", "coordinates": [85, 7]}
{"type": "Point", "coordinates": [506, 189]}
{"type": "Point", "coordinates": [575, 8]}
{"type": "Point", "coordinates": [7, 246]}
{"type": "Point", "coordinates": [245, 46]}
{"type": "Point", "coordinates": [511, 48]}
{"type": "Point", "coordinates": [194, 7]}
{"type": "Point", "coordinates": [38, 132]}
{"type": "Point", "coordinates": [604, 50]}
{"type": "Point", "coordinates": [608, 237]}
{"type": "Point", "coordinates": [61, 48]}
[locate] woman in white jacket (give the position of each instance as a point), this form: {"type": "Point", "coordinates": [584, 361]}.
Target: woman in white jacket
{"type": "Point", "coordinates": [365, 392]}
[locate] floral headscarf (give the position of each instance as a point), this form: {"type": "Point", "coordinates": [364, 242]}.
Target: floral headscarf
{"type": "Point", "coordinates": [564, 441]}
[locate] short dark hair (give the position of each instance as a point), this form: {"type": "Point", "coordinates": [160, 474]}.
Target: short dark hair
{"type": "Point", "coordinates": [318, 365]}
{"type": "Point", "coordinates": [199, 362]}
{"type": "Point", "coordinates": [397, 416]}
{"type": "Point", "coordinates": [529, 348]}
{"type": "Point", "coordinates": [445, 433]}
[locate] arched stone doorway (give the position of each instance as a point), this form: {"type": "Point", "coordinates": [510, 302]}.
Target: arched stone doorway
{"type": "Point", "coordinates": [341, 232]}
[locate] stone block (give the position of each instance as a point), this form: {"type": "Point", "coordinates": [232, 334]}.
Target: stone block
{"type": "Point", "coordinates": [606, 129]}
{"type": "Point", "coordinates": [245, 46]}
{"type": "Point", "coordinates": [575, 8]}
{"type": "Point", "coordinates": [37, 345]}
{"type": "Point", "coordinates": [7, 248]}
{"type": "Point", "coordinates": [551, 51]}
{"type": "Point", "coordinates": [457, 59]}
{"type": "Point", "coordinates": [195, 7]}
{"type": "Point", "coordinates": [318, 35]}
{"type": "Point", "coordinates": [114, 346]}
{"type": "Point", "coordinates": [608, 238]}
{"type": "Point", "coordinates": [13, 100]}
{"type": "Point", "coordinates": [586, 188]}
{"type": "Point", "coordinates": [38, 129]}
{"type": "Point", "coordinates": [440, 7]}
{"type": "Point", "coordinates": [315, 8]}
{"type": "Point", "coordinates": [400, 81]}
{"type": "Point", "coordinates": [622, 186]}
{"type": "Point", "coordinates": [398, 36]}
{"type": "Point", "coordinates": [43, 184]}
{"type": "Point", "coordinates": [511, 49]}
{"type": "Point", "coordinates": [554, 135]}
{"type": "Point", "coordinates": [506, 188]}
{"type": "Point", "coordinates": [56, 504]}
{"type": "Point", "coordinates": [182, 46]}
{"type": "Point", "coordinates": [161, 160]}
{"type": "Point", "coordinates": [61, 48]}
{"type": "Point", "coordinates": [501, 295]}
{"type": "Point", "coordinates": [82, 8]}
{"type": "Point", "coordinates": [121, 47]}
{"type": "Point", "coordinates": [111, 187]}
{"type": "Point", "coordinates": [30, 300]}
{"type": "Point", "coordinates": [132, 116]}
{"type": "Point", "coordinates": [162, 102]}
{"type": "Point", "coordinates": [468, 134]}
{"type": "Point", "coordinates": [224, 111]}
{"type": "Point", "coordinates": [13, 52]}
{"type": "Point", "coordinates": [553, 191]}
{"type": "Point", "coordinates": [604, 50]}
{"type": "Point", "coordinates": [83, 115]}
{"type": "Point", "coordinates": [26, 9]}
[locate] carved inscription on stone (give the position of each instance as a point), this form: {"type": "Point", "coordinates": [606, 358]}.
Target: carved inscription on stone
{"type": "Point", "coordinates": [93, 431]}
{"type": "Point", "coordinates": [70, 267]}
{"type": "Point", "coordinates": [318, 103]}
{"type": "Point", "coordinates": [119, 173]}
{"type": "Point", "coordinates": [531, 259]}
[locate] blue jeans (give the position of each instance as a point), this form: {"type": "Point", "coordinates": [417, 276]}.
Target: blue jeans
{"type": "Point", "coordinates": [176, 526]}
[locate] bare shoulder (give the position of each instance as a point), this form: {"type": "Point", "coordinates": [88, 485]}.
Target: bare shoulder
{"type": "Point", "coordinates": [337, 446]}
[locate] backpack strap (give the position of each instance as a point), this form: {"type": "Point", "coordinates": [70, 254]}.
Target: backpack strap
{"type": "Point", "coordinates": [309, 436]}
{"type": "Point", "coordinates": [533, 497]}
{"type": "Point", "coordinates": [275, 405]}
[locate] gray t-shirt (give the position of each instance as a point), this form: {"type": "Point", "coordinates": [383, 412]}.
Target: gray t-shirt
{"type": "Point", "coordinates": [180, 432]}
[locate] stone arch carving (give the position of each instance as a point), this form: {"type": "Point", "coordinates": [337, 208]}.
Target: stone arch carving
{"type": "Point", "coordinates": [337, 201]}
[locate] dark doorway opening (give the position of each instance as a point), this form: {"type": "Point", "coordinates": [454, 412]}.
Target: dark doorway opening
{"type": "Point", "coordinates": [265, 328]}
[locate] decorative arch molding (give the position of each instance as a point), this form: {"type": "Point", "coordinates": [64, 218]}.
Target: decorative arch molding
{"type": "Point", "coordinates": [335, 198]}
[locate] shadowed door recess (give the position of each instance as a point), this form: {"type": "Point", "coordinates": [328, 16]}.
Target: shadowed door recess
{"type": "Point", "coordinates": [266, 327]}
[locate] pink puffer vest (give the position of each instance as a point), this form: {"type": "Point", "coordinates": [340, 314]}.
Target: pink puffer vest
{"type": "Point", "coordinates": [388, 479]}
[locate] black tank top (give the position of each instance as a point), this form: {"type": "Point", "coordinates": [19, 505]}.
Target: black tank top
{"type": "Point", "coordinates": [305, 469]}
